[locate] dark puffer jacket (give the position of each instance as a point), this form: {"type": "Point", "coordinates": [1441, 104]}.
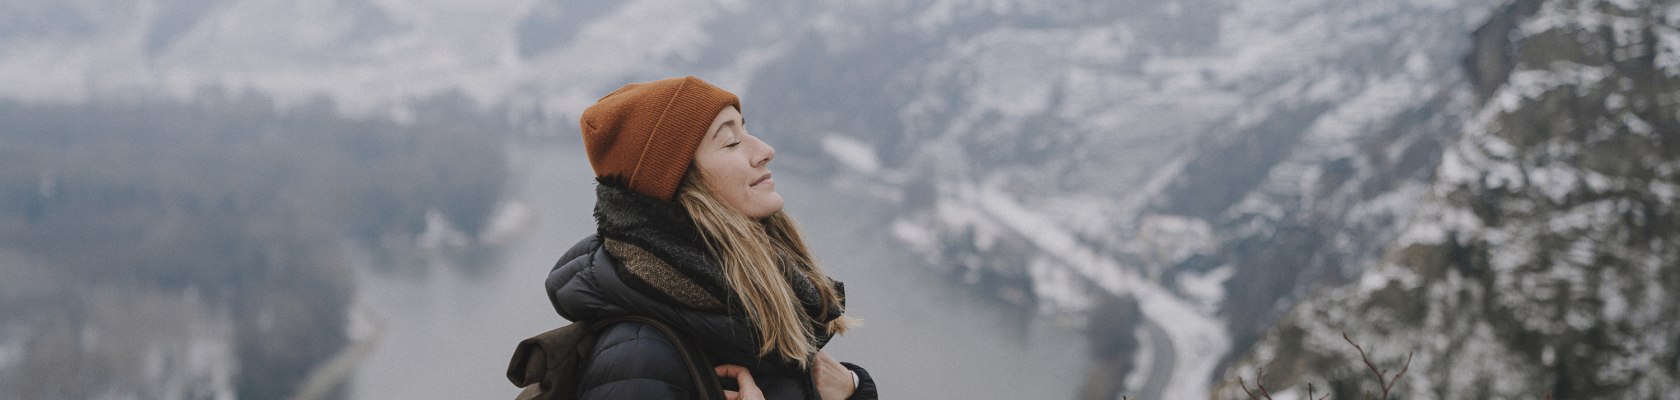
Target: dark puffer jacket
{"type": "Point", "coordinates": [647, 259]}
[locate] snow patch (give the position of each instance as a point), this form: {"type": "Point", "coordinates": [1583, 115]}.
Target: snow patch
{"type": "Point", "coordinates": [1637, 126]}
{"type": "Point", "coordinates": [1584, 216]}
{"type": "Point", "coordinates": [1208, 289]}
{"type": "Point", "coordinates": [1372, 282]}
{"type": "Point", "coordinates": [961, 215]}
{"type": "Point", "coordinates": [1555, 181]}
{"type": "Point", "coordinates": [852, 153]}
{"type": "Point", "coordinates": [1664, 191]}
{"type": "Point", "coordinates": [1454, 170]}
{"type": "Point", "coordinates": [1379, 101]}
{"type": "Point", "coordinates": [1581, 253]}
{"type": "Point", "coordinates": [1526, 85]}
{"type": "Point", "coordinates": [916, 236]}
{"type": "Point", "coordinates": [439, 233]}
{"type": "Point", "coordinates": [1507, 256]}
{"type": "Point", "coordinates": [1059, 289]}
{"type": "Point", "coordinates": [1172, 238]}
{"type": "Point", "coordinates": [1615, 302]}
{"type": "Point", "coordinates": [509, 220]}
{"type": "Point", "coordinates": [1497, 147]}
{"type": "Point", "coordinates": [1424, 233]}
{"type": "Point", "coordinates": [1144, 357]}
{"type": "Point", "coordinates": [1595, 181]}
{"type": "Point", "coordinates": [1626, 5]}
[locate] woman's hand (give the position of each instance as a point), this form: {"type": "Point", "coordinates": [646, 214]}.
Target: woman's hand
{"type": "Point", "coordinates": [749, 390]}
{"type": "Point", "coordinates": [834, 381]}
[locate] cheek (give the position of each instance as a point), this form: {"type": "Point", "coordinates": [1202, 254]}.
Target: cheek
{"type": "Point", "coordinates": [729, 183]}
{"type": "Point", "coordinates": [736, 174]}
{"type": "Point", "coordinates": [715, 176]}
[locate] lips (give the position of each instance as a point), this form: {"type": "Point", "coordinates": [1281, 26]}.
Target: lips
{"type": "Point", "coordinates": [761, 179]}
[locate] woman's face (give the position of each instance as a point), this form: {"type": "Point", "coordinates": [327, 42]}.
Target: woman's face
{"type": "Point", "coordinates": [736, 166]}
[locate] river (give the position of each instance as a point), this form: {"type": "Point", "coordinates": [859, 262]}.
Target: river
{"type": "Point", "coordinates": [446, 334]}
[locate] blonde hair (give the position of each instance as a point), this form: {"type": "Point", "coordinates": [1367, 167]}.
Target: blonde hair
{"type": "Point", "coordinates": [748, 250]}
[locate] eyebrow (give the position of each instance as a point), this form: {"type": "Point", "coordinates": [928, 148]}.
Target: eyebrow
{"type": "Point", "coordinates": [725, 124]}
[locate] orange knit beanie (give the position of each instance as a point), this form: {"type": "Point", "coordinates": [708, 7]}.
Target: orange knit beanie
{"type": "Point", "coordinates": [646, 132]}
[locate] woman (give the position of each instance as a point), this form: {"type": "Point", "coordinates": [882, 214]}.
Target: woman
{"type": "Point", "coordinates": [690, 232]}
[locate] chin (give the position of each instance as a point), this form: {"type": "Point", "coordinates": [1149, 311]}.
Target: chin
{"type": "Point", "coordinates": [767, 205]}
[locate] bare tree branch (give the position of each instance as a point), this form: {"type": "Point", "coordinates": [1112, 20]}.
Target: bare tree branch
{"type": "Point", "coordinates": [1396, 378]}
{"type": "Point", "coordinates": [1259, 373]}
{"type": "Point", "coordinates": [1310, 395]}
{"type": "Point", "coordinates": [1382, 381]}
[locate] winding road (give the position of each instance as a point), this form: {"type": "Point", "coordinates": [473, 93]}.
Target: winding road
{"type": "Point", "coordinates": [1188, 340]}
{"type": "Point", "coordinates": [1160, 362]}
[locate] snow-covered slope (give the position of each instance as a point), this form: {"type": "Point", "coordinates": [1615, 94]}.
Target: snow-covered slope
{"type": "Point", "coordinates": [1542, 259]}
{"type": "Point", "coordinates": [1227, 168]}
{"type": "Point", "coordinates": [1215, 159]}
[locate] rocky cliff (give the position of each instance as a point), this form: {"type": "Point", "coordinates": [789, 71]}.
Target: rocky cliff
{"type": "Point", "coordinates": [1541, 260]}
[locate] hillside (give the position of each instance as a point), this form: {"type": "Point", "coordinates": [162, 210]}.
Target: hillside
{"type": "Point", "coordinates": [1541, 261]}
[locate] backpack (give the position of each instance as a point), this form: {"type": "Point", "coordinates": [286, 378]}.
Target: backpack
{"type": "Point", "coordinates": [549, 365]}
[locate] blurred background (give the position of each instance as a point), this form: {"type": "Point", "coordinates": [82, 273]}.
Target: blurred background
{"type": "Point", "coordinates": [359, 199]}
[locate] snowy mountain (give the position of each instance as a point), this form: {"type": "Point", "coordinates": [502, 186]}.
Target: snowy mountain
{"type": "Point", "coordinates": [1215, 160]}
{"type": "Point", "coordinates": [1541, 260]}
{"type": "Point", "coordinates": [1214, 178]}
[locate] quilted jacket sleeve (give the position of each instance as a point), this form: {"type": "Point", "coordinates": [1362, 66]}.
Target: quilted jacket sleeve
{"type": "Point", "coordinates": [633, 360]}
{"type": "Point", "coordinates": [866, 384]}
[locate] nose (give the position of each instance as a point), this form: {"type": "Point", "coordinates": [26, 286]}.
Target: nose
{"type": "Point", "coordinates": [765, 156]}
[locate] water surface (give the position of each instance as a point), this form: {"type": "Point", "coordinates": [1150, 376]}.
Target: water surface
{"type": "Point", "coordinates": [448, 335]}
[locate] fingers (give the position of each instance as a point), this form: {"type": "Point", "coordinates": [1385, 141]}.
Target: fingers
{"type": "Point", "coordinates": [833, 380]}
{"type": "Point", "coordinates": [739, 373]}
{"type": "Point", "coordinates": [743, 379]}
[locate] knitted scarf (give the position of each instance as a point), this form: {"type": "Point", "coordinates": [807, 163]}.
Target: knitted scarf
{"type": "Point", "coordinates": [662, 254]}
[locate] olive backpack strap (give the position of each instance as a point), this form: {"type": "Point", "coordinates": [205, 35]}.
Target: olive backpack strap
{"type": "Point", "coordinates": [699, 366]}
